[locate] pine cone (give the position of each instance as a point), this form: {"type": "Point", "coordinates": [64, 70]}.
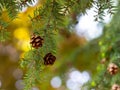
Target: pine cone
{"type": "Point", "coordinates": [49, 59]}
{"type": "Point", "coordinates": [112, 68]}
{"type": "Point", "coordinates": [115, 87]}
{"type": "Point", "coordinates": [36, 41]}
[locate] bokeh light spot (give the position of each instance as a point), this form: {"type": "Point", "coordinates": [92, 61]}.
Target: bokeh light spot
{"type": "Point", "coordinates": [19, 84]}
{"type": "Point", "coordinates": [72, 85]}
{"type": "Point", "coordinates": [21, 34]}
{"type": "Point", "coordinates": [56, 82]}
{"type": "Point", "coordinates": [25, 46]}
{"type": "Point", "coordinates": [76, 76]}
{"type": "Point", "coordinates": [17, 73]}
{"type": "Point", "coordinates": [77, 79]}
{"type": "Point", "coordinates": [35, 88]}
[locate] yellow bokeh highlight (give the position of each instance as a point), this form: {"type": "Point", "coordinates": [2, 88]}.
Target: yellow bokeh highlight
{"type": "Point", "coordinates": [22, 34]}
{"type": "Point", "coordinates": [25, 46]}
{"type": "Point", "coordinates": [103, 54]}
{"type": "Point", "coordinates": [93, 83]}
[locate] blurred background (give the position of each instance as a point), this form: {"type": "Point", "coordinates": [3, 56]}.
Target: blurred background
{"type": "Point", "coordinates": [77, 59]}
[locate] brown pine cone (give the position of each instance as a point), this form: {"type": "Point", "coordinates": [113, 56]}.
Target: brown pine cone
{"type": "Point", "coordinates": [36, 41]}
{"type": "Point", "coordinates": [115, 87]}
{"type": "Point", "coordinates": [49, 59]}
{"type": "Point", "coordinates": [112, 68]}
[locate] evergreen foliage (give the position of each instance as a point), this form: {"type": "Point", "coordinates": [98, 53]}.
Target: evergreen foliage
{"type": "Point", "coordinates": [110, 52]}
